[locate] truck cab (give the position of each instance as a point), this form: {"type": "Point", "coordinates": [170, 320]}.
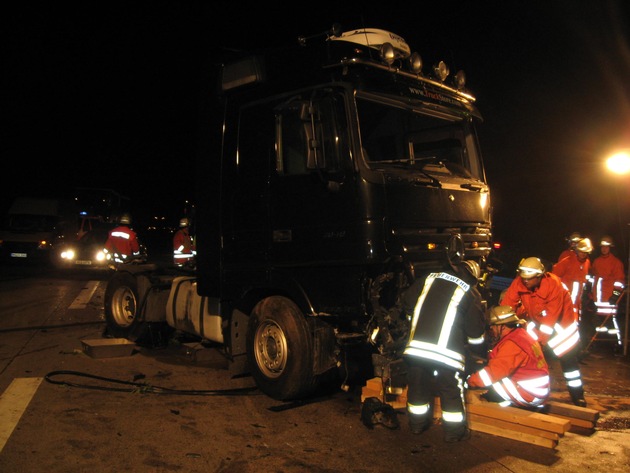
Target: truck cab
{"type": "Point", "coordinates": [340, 170]}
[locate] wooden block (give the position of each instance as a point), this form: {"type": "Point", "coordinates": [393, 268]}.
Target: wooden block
{"type": "Point", "coordinates": [521, 416]}
{"type": "Point", "coordinates": [574, 412]}
{"type": "Point", "coordinates": [512, 434]}
{"type": "Point", "coordinates": [476, 419]}
{"type": "Point", "coordinates": [585, 424]}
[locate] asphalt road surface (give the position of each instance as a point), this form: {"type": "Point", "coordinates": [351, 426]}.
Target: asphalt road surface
{"type": "Point", "coordinates": [180, 409]}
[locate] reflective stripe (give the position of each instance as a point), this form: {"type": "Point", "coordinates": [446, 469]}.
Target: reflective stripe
{"type": "Point", "coordinates": [434, 356]}
{"type": "Point", "coordinates": [418, 410]}
{"type": "Point", "coordinates": [452, 416]}
{"type": "Point", "coordinates": [565, 339]}
{"type": "Point", "coordinates": [485, 377]}
{"type": "Point", "coordinates": [120, 234]}
{"type": "Point", "coordinates": [573, 378]}
{"type": "Point", "coordinates": [476, 341]}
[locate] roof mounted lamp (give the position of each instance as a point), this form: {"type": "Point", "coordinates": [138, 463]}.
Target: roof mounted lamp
{"type": "Point", "coordinates": [415, 63]}
{"type": "Point", "coordinates": [388, 55]}
{"type": "Point", "coordinates": [460, 80]}
{"type": "Point", "coordinates": [441, 70]}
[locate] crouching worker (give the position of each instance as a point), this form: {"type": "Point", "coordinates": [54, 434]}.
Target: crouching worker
{"type": "Point", "coordinates": [446, 314]}
{"type": "Point", "coordinates": [517, 372]}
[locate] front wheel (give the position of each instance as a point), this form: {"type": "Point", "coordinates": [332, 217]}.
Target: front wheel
{"type": "Point", "coordinates": [280, 349]}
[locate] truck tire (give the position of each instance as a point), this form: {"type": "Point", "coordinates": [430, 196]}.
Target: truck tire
{"type": "Point", "coordinates": [280, 349]}
{"type": "Point", "coordinates": [122, 309]}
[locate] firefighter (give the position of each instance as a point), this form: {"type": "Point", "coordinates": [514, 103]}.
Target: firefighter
{"type": "Point", "coordinates": [446, 313]}
{"type": "Point", "coordinates": [608, 274]}
{"type": "Point", "coordinates": [122, 244]}
{"type": "Point", "coordinates": [183, 245]}
{"type": "Point", "coordinates": [574, 269]}
{"type": "Point", "coordinates": [543, 301]}
{"type": "Point", "coordinates": [609, 281]}
{"type": "Point", "coordinates": [571, 242]}
{"type": "Point", "coordinates": [517, 372]}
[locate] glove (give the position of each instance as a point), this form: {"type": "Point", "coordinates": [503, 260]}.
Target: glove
{"type": "Point", "coordinates": [615, 297]}
{"type": "Point", "coordinates": [376, 412]}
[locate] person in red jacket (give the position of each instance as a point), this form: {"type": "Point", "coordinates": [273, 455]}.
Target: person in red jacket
{"type": "Point", "coordinates": [122, 243]}
{"type": "Point", "coordinates": [574, 269]}
{"type": "Point", "coordinates": [541, 299]}
{"type": "Point", "coordinates": [572, 240]}
{"type": "Point", "coordinates": [609, 276]}
{"type": "Point", "coordinates": [609, 281]}
{"type": "Point", "coordinates": [183, 245]}
{"type": "Point", "coordinates": [517, 372]}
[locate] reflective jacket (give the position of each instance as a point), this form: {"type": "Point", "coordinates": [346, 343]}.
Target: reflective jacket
{"type": "Point", "coordinates": [550, 312]}
{"type": "Point", "coordinates": [446, 315]}
{"type": "Point", "coordinates": [517, 370]}
{"type": "Point", "coordinates": [608, 274]}
{"type": "Point", "coordinates": [573, 274]}
{"type": "Point", "coordinates": [183, 248]}
{"type": "Point", "coordinates": [122, 243]}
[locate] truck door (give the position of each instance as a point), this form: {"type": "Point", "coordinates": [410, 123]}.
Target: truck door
{"type": "Point", "coordinates": [313, 214]}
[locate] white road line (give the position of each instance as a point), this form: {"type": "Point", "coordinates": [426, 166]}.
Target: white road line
{"type": "Point", "coordinates": [84, 296]}
{"type": "Point", "coordinates": [13, 403]}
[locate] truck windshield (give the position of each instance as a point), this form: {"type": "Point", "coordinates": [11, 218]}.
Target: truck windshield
{"type": "Point", "coordinates": [396, 136]}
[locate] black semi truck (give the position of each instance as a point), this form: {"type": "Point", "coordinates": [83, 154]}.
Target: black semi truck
{"type": "Point", "coordinates": [334, 173]}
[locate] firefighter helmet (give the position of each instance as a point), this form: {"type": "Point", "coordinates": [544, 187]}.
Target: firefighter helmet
{"type": "Point", "coordinates": [125, 219]}
{"type": "Point", "coordinates": [584, 245]}
{"type": "Point", "coordinates": [184, 222]}
{"type": "Point", "coordinates": [607, 241]}
{"type": "Point", "coordinates": [472, 267]}
{"type": "Point", "coordinates": [530, 268]}
{"type": "Point", "coordinates": [502, 315]}
{"type": "Point", "coordinates": [574, 237]}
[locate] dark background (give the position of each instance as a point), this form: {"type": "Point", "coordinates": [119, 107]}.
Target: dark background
{"type": "Point", "coordinates": [106, 94]}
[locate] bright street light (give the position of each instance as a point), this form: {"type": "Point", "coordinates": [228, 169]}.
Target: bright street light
{"type": "Point", "coordinates": [619, 163]}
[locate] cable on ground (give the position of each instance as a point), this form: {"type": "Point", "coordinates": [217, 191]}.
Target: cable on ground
{"type": "Point", "coordinates": [140, 387]}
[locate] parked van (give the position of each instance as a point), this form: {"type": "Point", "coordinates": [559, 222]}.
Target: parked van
{"type": "Point", "coordinates": [33, 226]}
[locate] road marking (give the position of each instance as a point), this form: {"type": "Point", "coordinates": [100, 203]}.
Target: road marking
{"type": "Point", "coordinates": [85, 295]}
{"type": "Point", "coordinates": [13, 403]}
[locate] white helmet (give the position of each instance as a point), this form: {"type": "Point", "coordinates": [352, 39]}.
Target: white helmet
{"type": "Point", "coordinates": [472, 267]}
{"type": "Point", "coordinates": [530, 268]}
{"type": "Point", "coordinates": [584, 245]}
{"type": "Point", "coordinates": [184, 222]}
{"type": "Point", "coordinates": [125, 219]}
{"type": "Point", "coordinates": [607, 241]}
{"type": "Point", "coordinates": [503, 314]}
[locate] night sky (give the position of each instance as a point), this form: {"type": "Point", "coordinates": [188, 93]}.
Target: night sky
{"type": "Point", "coordinates": [105, 94]}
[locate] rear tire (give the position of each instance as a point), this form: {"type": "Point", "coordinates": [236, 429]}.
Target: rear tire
{"type": "Point", "coordinates": [280, 349]}
{"type": "Point", "coordinates": [123, 312]}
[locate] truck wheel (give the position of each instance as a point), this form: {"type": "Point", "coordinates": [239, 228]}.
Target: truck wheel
{"type": "Point", "coordinates": [122, 309]}
{"type": "Point", "coordinates": [280, 349]}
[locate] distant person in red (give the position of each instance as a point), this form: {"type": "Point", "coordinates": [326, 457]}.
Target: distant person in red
{"type": "Point", "coordinates": [574, 269]}
{"type": "Point", "coordinates": [183, 245]}
{"type": "Point", "coordinates": [122, 243]}
{"type": "Point", "coordinates": [608, 274]}
{"type": "Point", "coordinates": [571, 241]}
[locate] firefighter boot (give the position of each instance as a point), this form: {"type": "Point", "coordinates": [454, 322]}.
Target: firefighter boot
{"type": "Point", "coordinates": [419, 424]}
{"type": "Point", "coordinates": [577, 396]}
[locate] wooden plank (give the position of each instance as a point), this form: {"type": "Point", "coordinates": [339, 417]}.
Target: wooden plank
{"type": "Point", "coordinates": [512, 426]}
{"type": "Point", "coordinates": [576, 422]}
{"type": "Point", "coordinates": [512, 434]}
{"type": "Point", "coordinates": [521, 416]}
{"type": "Point", "coordinates": [575, 412]}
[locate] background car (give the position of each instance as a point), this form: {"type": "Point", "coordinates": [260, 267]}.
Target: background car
{"type": "Point", "coordinates": [87, 251]}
